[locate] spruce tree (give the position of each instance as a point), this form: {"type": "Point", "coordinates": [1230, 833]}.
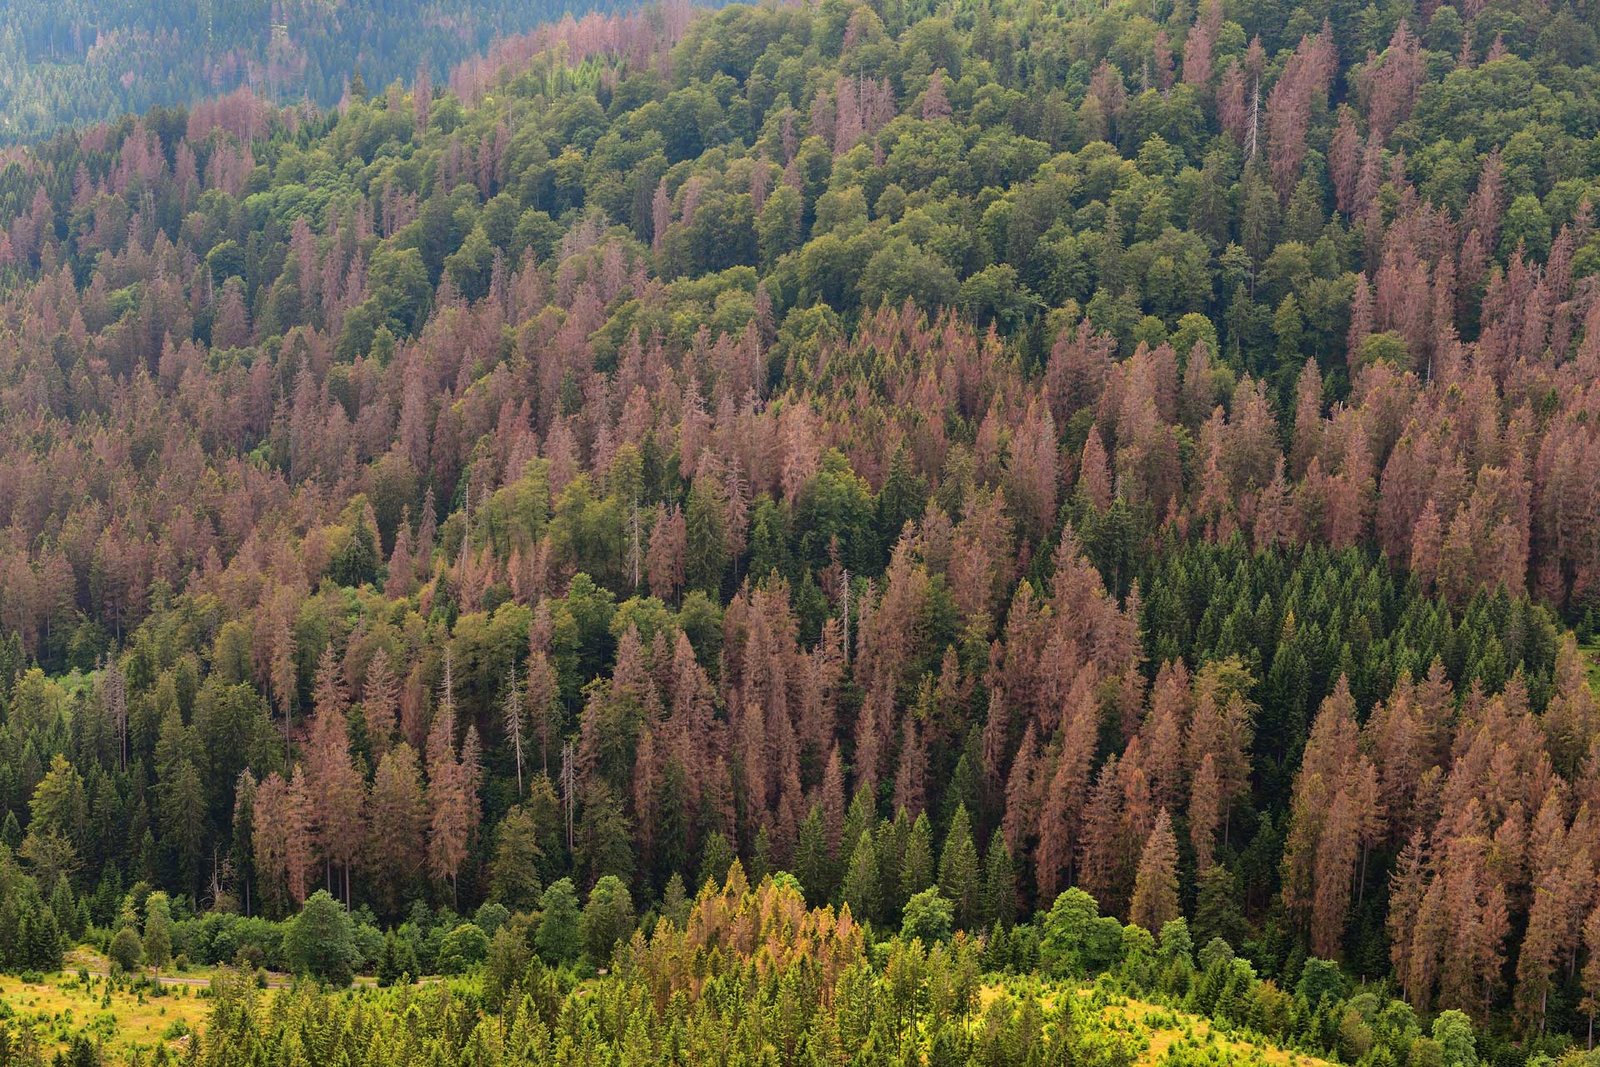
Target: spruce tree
{"type": "Point", "coordinates": [397, 961]}
{"type": "Point", "coordinates": [959, 874]}
{"type": "Point", "coordinates": [916, 868]}
{"type": "Point", "coordinates": [860, 889]}
{"type": "Point", "coordinates": [1216, 909]}
{"type": "Point", "coordinates": [514, 871]}
{"type": "Point", "coordinates": [812, 865]}
{"type": "Point", "coordinates": [999, 885]}
{"type": "Point", "coordinates": [675, 902]}
{"type": "Point", "coordinates": [715, 859]}
{"type": "Point", "coordinates": [1155, 889]}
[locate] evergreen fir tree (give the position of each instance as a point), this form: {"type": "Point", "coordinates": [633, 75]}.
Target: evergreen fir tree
{"type": "Point", "coordinates": [959, 875]}
{"type": "Point", "coordinates": [916, 868]}
{"type": "Point", "coordinates": [860, 889]}
{"type": "Point", "coordinates": [999, 885]}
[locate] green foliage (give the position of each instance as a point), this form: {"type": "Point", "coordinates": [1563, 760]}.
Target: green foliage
{"type": "Point", "coordinates": [126, 951]}
{"type": "Point", "coordinates": [30, 934]}
{"type": "Point", "coordinates": [774, 330]}
{"type": "Point", "coordinates": [927, 917]}
{"type": "Point", "coordinates": [861, 880]}
{"type": "Point", "coordinates": [1077, 940]}
{"type": "Point", "coordinates": [463, 948]}
{"type": "Point", "coordinates": [958, 868]}
{"type": "Point", "coordinates": [925, 1002]}
{"type": "Point", "coordinates": [559, 939]}
{"type": "Point", "coordinates": [607, 918]}
{"type": "Point", "coordinates": [157, 930]}
{"type": "Point", "coordinates": [1320, 980]}
{"type": "Point", "coordinates": [320, 941]}
{"type": "Point", "coordinates": [514, 873]}
{"type": "Point", "coordinates": [1452, 1032]}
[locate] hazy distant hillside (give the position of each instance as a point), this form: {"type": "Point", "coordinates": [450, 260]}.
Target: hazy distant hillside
{"type": "Point", "coordinates": [67, 61]}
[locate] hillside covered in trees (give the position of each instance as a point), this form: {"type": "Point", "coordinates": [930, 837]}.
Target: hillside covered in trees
{"type": "Point", "coordinates": [74, 61]}
{"type": "Point", "coordinates": [1094, 492]}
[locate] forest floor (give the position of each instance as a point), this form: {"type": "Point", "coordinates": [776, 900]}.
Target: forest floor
{"type": "Point", "coordinates": [123, 1020]}
{"type": "Point", "coordinates": [1591, 652]}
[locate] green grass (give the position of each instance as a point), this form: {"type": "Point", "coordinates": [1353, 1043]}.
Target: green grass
{"type": "Point", "coordinates": [120, 1017]}
{"type": "Point", "coordinates": [1166, 1035]}
{"type": "Point", "coordinates": [1171, 1034]}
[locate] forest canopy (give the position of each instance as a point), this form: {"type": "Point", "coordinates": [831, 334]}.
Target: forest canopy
{"type": "Point", "coordinates": [69, 62]}
{"type": "Point", "coordinates": [1000, 476]}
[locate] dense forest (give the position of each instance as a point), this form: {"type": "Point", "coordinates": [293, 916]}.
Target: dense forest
{"type": "Point", "coordinates": [1000, 487]}
{"type": "Point", "coordinates": [75, 61]}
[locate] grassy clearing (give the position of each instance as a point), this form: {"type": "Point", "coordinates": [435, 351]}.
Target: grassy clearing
{"type": "Point", "coordinates": [123, 1020]}
{"type": "Point", "coordinates": [158, 1008]}
{"type": "Point", "coordinates": [1168, 1036]}
{"type": "Point", "coordinates": [1171, 1034]}
{"type": "Point", "coordinates": [85, 958]}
